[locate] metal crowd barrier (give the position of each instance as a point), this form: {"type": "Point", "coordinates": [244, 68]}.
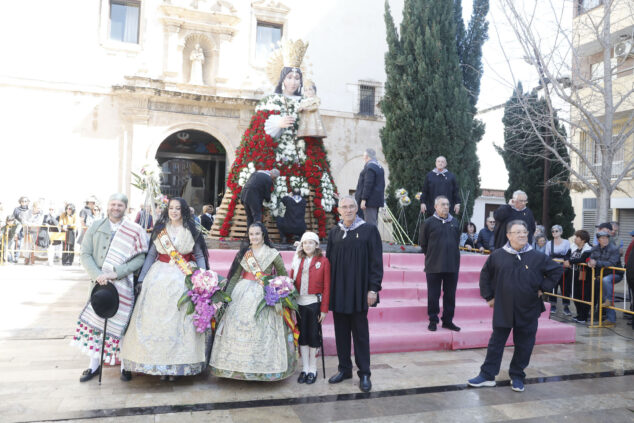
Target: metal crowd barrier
{"type": "Point", "coordinates": [572, 290]}
{"type": "Point", "coordinates": [5, 241]}
{"type": "Point", "coordinates": [611, 301]}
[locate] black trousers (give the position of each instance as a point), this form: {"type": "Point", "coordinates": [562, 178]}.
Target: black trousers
{"type": "Point", "coordinates": [583, 291]}
{"type": "Point", "coordinates": [253, 209]}
{"type": "Point", "coordinates": [524, 340]}
{"type": "Point", "coordinates": [448, 283]}
{"type": "Point", "coordinates": [69, 245]}
{"type": "Point", "coordinates": [355, 324]}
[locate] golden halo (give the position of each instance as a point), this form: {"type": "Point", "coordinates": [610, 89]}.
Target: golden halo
{"type": "Point", "coordinates": [288, 54]}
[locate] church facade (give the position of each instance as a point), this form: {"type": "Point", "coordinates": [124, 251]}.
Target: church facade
{"type": "Point", "coordinates": [107, 86]}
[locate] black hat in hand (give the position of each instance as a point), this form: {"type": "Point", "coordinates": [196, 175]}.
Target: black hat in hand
{"type": "Point", "coordinates": [105, 300]}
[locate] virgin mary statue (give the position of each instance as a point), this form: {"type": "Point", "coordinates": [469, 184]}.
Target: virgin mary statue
{"type": "Point", "coordinates": [271, 142]}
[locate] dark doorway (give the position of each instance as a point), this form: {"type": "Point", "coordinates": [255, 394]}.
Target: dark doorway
{"type": "Point", "coordinates": [194, 167]}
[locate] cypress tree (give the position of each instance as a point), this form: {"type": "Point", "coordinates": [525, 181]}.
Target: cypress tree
{"type": "Point", "coordinates": [427, 108]}
{"type": "Point", "coordinates": [523, 156]}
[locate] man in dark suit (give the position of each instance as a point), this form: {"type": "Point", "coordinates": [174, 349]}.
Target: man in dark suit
{"type": "Point", "coordinates": [257, 190]}
{"type": "Point", "coordinates": [439, 181]}
{"type": "Point", "coordinates": [370, 193]}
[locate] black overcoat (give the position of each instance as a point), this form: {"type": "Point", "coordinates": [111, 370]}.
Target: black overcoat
{"type": "Point", "coordinates": [371, 185]}
{"type": "Point", "coordinates": [440, 242]}
{"type": "Point", "coordinates": [257, 189]}
{"type": "Point", "coordinates": [503, 215]}
{"type": "Point", "coordinates": [356, 267]}
{"type": "Point", "coordinates": [514, 283]}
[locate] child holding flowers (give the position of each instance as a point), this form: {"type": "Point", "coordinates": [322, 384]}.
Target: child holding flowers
{"type": "Point", "coordinates": [311, 272]}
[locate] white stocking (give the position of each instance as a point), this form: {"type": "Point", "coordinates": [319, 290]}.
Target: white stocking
{"type": "Point", "coordinates": [304, 351]}
{"type": "Point", "coordinates": [94, 364]}
{"type": "Point", "coordinates": [312, 365]}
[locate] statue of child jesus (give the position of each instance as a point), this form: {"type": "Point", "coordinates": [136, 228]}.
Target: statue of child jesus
{"type": "Point", "coordinates": [310, 124]}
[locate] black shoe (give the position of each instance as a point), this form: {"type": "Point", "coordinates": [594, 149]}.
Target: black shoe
{"type": "Point", "coordinates": [126, 375]}
{"type": "Point", "coordinates": [364, 384]}
{"type": "Point", "coordinates": [451, 326]}
{"type": "Point", "coordinates": [88, 374]}
{"type": "Point", "coordinates": [311, 378]}
{"type": "Point", "coordinates": [302, 377]}
{"type": "Point", "coordinates": [340, 377]}
{"type": "Point", "coordinates": [432, 326]}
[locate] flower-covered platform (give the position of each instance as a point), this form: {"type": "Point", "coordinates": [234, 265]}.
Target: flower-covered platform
{"type": "Point", "coordinates": [399, 323]}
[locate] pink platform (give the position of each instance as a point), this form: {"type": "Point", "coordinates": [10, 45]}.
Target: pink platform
{"type": "Point", "coordinates": [399, 323]}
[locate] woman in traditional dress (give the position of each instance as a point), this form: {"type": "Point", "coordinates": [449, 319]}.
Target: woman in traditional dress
{"type": "Point", "coordinates": [247, 347]}
{"type": "Point", "coordinates": [161, 339]}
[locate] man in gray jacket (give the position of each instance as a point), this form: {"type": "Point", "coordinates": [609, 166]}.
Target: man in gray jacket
{"type": "Point", "coordinates": [113, 249]}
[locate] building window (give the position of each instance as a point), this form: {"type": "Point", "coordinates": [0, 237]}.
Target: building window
{"type": "Point", "coordinates": [124, 21]}
{"type": "Point", "coordinates": [592, 153]}
{"type": "Point", "coordinates": [367, 100]}
{"type": "Point", "coordinates": [267, 37]}
{"type": "Point", "coordinates": [585, 5]}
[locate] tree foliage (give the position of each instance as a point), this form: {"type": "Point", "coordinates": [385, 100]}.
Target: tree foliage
{"type": "Point", "coordinates": [433, 67]}
{"type": "Point", "coordinates": [525, 156]}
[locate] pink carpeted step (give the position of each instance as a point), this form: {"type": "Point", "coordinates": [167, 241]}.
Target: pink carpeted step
{"type": "Point", "coordinates": [400, 321]}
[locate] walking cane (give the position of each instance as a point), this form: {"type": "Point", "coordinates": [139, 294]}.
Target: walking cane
{"type": "Point", "coordinates": [321, 345]}
{"type": "Point", "coordinates": [103, 346]}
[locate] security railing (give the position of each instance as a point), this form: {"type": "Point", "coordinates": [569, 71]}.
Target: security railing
{"type": "Point", "coordinates": [610, 301]}
{"type": "Point", "coordinates": [30, 235]}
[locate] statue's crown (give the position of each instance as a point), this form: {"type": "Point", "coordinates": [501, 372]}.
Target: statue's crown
{"type": "Point", "coordinates": [293, 53]}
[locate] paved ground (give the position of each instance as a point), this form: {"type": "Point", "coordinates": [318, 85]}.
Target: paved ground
{"type": "Point", "coordinates": [590, 381]}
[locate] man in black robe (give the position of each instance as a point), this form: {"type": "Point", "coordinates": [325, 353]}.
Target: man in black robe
{"type": "Point", "coordinates": [355, 253]}
{"type": "Point", "coordinates": [440, 242]}
{"type": "Point", "coordinates": [294, 220]}
{"type": "Point", "coordinates": [512, 282]}
{"type": "Point", "coordinates": [439, 181]}
{"type": "Point", "coordinates": [257, 190]}
{"type": "Point", "coordinates": [515, 209]}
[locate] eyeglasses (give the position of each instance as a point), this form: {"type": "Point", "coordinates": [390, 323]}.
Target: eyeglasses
{"type": "Point", "coordinates": [519, 233]}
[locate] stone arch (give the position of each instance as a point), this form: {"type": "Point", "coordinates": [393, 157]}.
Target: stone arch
{"type": "Point", "coordinates": [214, 132]}
{"type": "Point", "coordinates": [210, 52]}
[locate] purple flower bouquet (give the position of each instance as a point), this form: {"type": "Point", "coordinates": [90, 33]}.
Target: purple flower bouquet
{"type": "Point", "coordinates": [204, 297]}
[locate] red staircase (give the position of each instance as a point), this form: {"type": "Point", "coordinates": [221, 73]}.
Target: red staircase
{"type": "Point", "coordinates": [399, 323]}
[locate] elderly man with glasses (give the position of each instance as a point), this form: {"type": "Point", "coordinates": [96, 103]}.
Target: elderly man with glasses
{"type": "Point", "coordinates": [512, 282]}
{"type": "Point", "coordinates": [514, 210]}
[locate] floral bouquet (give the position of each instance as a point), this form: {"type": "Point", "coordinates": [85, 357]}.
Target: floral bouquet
{"type": "Point", "coordinates": [279, 292]}
{"type": "Point", "coordinates": [418, 195]}
{"type": "Point", "coordinates": [204, 297]}
{"type": "Point", "coordinates": [404, 201]}
{"type": "Point", "coordinates": [400, 192]}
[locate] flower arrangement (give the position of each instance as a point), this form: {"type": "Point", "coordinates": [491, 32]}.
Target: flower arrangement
{"type": "Point", "coordinates": [302, 163]}
{"type": "Point", "coordinates": [404, 201]}
{"type": "Point", "coordinates": [279, 292]}
{"type": "Point", "coordinates": [418, 195]}
{"type": "Point", "coordinates": [204, 297]}
{"type": "Point", "coordinates": [400, 193]}
{"type": "Point", "coordinates": [148, 180]}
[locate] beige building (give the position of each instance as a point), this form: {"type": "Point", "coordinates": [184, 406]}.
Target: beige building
{"type": "Point", "coordinates": [93, 90]}
{"type": "Point", "coordinates": [591, 68]}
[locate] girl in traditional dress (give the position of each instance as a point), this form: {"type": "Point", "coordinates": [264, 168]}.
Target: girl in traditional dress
{"type": "Point", "coordinates": [311, 272]}
{"type": "Point", "coordinates": [248, 347]}
{"type": "Point", "coordinates": [161, 339]}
